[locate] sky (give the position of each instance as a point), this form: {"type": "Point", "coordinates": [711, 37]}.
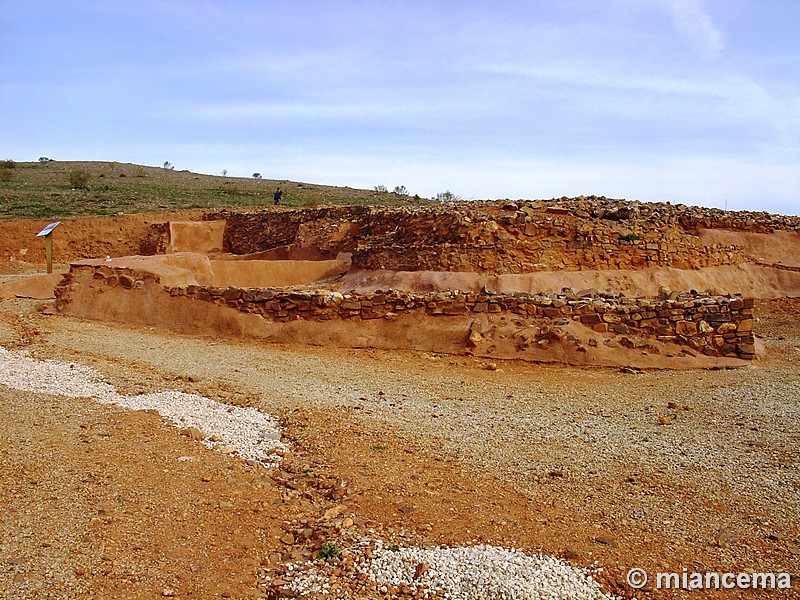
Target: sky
{"type": "Point", "coordinates": [686, 101]}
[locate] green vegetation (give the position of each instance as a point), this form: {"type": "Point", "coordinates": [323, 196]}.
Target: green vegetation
{"type": "Point", "coordinates": [329, 550]}
{"type": "Point", "coordinates": [629, 237]}
{"type": "Point", "coordinates": [47, 189]}
{"type": "Point", "coordinates": [79, 179]}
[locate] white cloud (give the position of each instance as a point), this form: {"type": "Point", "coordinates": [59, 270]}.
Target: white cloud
{"type": "Point", "coordinates": [695, 24]}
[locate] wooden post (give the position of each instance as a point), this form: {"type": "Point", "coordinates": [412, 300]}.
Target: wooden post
{"type": "Point", "coordinates": [47, 234]}
{"type": "Point", "coordinates": [48, 250]}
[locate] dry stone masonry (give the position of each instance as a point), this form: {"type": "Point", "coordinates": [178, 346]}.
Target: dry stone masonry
{"type": "Point", "coordinates": [500, 237]}
{"type": "Point", "coordinates": [712, 325]}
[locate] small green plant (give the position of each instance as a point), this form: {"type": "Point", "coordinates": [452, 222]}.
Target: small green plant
{"type": "Point", "coordinates": [394, 548]}
{"type": "Point", "coordinates": [378, 448]}
{"type": "Point", "coordinates": [629, 237]}
{"type": "Point", "coordinates": [328, 551]}
{"type": "Point", "coordinates": [78, 180]}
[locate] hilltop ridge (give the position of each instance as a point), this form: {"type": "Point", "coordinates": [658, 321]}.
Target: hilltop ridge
{"type": "Point", "coordinates": [42, 190]}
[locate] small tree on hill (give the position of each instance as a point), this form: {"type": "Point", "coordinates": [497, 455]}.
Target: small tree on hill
{"type": "Point", "coordinates": [447, 196]}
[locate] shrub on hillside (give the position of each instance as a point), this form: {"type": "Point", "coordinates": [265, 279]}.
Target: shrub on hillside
{"type": "Point", "coordinates": [78, 180]}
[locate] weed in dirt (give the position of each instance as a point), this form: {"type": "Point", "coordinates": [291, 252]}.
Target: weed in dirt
{"type": "Point", "coordinates": [328, 551]}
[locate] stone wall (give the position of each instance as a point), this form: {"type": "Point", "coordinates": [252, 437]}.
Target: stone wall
{"type": "Point", "coordinates": [712, 325]}
{"type": "Point", "coordinates": [490, 238]}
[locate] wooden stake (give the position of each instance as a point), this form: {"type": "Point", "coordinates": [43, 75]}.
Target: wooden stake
{"type": "Point", "coordinates": [48, 249]}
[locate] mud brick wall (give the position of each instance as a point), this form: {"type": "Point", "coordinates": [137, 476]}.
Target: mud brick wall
{"type": "Point", "coordinates": [485, 237]}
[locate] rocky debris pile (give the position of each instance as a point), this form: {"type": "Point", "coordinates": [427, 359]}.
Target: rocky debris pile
{"type": "Point", "coordinates": [665, 214]}
{"type": "Point", "coordinates": [480, 572]}
{"type": "Point", "coordinates": [246, 432]}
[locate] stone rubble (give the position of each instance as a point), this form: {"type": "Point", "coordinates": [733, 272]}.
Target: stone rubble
{"type": "Point", "coordinates": [253, 435]}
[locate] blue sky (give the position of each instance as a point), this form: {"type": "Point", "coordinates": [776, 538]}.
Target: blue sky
{"type": "Point", "coordinates": [692, 101]}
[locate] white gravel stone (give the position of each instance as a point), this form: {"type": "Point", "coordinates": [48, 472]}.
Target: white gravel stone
{"type": "Point", "coordinates": [480, 572]}
{"type": "Point", "coordinates": [253, 434]}
{"type": "Point", "coordinates": [484, 573]}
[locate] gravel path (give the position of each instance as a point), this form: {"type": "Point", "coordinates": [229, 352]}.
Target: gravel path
{"type": "Point", "coordinates": [699, 426]}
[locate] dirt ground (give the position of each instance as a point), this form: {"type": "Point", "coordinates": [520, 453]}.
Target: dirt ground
{"type": "Point", "coordinates": [661, 470]}
{"type": "Point", "coordinates": [605, 467]}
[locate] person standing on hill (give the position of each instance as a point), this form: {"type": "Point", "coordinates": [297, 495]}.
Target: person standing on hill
{"type": "Point", "coordinates": [277, 196]}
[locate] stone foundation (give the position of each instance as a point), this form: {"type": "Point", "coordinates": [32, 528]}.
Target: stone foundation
{"type": "Point", "coordinates": [711, 325]}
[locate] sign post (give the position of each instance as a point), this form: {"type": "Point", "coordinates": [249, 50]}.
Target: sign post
{"type": "Point", "coordinates": [47, 234]}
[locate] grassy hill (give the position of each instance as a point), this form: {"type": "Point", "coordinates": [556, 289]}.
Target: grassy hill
{"type": "Point", "coordinates": [58, 189]}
